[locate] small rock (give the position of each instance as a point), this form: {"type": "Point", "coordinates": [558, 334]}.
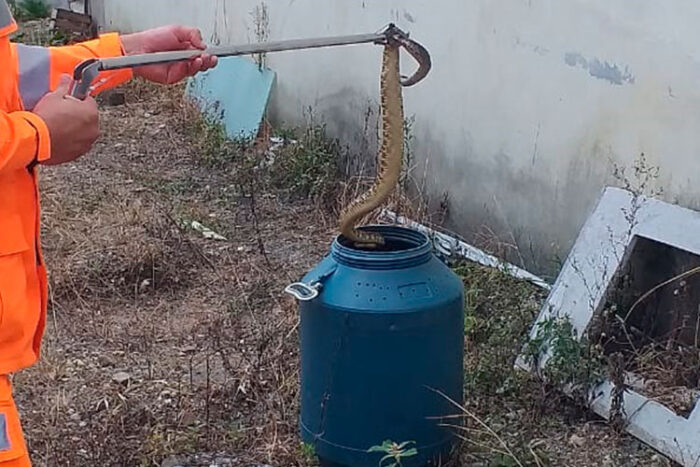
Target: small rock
{"type": "Point", "coordinates": [121, 377]}
{"type": "Point", "coordinates": [577, 441]}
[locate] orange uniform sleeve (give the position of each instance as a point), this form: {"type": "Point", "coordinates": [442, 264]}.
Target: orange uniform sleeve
{"type": "Point", "coordinates": [65, 59]}
{"type": "Point", "coordinates": [40, 68]}
{"type": "Point", "coordinates": [23, 138]}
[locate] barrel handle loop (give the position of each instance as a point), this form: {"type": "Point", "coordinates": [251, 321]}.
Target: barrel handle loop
{"type": "Point", "coordinates": [303, 292]}
{"type": "Point", "coordinates": [306, 292]}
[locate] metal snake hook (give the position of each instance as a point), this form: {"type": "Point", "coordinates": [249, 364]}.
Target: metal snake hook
{"type": "Point", "coordinates": [393, 34]}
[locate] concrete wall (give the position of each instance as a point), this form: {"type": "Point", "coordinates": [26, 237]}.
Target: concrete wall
{"type": "Point", "coordinates": [529, 105]}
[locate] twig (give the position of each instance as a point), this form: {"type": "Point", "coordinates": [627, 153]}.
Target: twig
{"type": "Point", "coordinates": [208, 400]}
{"type": "Point", "coordinates": [659, 286]}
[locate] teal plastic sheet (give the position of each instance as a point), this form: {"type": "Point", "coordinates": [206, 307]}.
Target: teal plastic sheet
{"type": "Point", "coordinates": [236, 93]}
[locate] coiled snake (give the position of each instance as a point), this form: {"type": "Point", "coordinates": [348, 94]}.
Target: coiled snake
{"type": "Point", "coordinates": [392, 144]}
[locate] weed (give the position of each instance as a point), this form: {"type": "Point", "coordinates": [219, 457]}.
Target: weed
{"type": "Point", "coordinates": [309, 168]}
{"type": "Point", "coordinates": [26, 10]}
{"type": "Point", "coordinates": [408, 155]}
{"type": "Point", "coordinates": [216, 148]}
{"type": "Point", "coordinates": [261, 18]}
{"type": "Point", "coordinates": [307, 452]}
{"type": "Point", "coordinates": [571, 362]}
{"type": "Point", "coordinates": [492, 336]}
{"type": "Point", "coordinates": [394, 452]}
{"type": "Point", "coordinates": [616, 374]}
{"type": "Point", "coordinates": [38, 33]}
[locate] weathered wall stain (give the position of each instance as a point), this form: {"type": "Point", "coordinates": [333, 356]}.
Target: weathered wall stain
{"type": "Point", "coordinates": [609, 72]}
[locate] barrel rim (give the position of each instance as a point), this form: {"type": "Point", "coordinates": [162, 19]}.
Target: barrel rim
{"type": "Point", "coordinates": [419, 249]}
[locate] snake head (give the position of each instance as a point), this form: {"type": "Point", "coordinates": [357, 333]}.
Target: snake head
{"type": "Point", "coordinates": [420, 54]}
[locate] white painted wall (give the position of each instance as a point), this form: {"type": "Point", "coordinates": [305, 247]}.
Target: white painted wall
{"type": "Point", "coordinates": [520, 119]}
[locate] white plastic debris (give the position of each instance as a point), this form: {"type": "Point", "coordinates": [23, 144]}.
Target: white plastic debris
{"type": "Point", "coordinates": [206, 231]}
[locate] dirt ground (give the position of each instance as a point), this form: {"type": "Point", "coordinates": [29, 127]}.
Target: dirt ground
{"type": "Point", "coordinates": [167, 348]}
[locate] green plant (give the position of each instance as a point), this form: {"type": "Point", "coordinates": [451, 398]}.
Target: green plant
{"type": "Point", "coordinates": [394, 452]}
{"type": "Point", "coordinates": [308, 453]}
{"type": "Point", "coordinates": [309, 167]}
{"type": "Point", "coordinates": [261, 19]}
{"type": "Point", "coordinates": [30, 9]}
{"type": "Point", "coordinates": [216, 148]}
{"type": "Point", "coordinates": [408, 156]}
{"type": "Point", "coordinates": [571, 362]}
{"type": "Point", "coordinates": [498, 313]}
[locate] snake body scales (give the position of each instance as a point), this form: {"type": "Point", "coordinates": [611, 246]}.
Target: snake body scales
{"type": "Point", "coordinates": [390, 154]}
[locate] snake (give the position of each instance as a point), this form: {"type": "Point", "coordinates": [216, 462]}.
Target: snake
{"type": "Point", "coordinates": [390, 155]}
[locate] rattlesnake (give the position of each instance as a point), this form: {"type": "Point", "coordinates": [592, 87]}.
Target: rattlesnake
{"type": "Point", "coordinates": [392, 145]}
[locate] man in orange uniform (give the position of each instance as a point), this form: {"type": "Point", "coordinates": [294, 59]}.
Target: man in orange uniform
{"type": "Point", "coordinates": [41, 124]}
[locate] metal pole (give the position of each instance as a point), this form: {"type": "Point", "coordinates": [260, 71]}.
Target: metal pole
{"type": "Point", "coordinates": [131, 61]}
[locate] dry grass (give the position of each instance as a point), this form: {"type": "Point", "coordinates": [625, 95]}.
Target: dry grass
{"type": "Point", "coordinates": [199, 326]}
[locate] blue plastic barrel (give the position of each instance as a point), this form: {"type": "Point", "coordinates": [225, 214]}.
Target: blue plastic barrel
{"type": "Point", "coordinates": [381, 333]}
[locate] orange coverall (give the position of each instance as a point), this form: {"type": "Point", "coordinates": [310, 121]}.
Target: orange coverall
{"type": "Point", "coordinates": [27, 73]}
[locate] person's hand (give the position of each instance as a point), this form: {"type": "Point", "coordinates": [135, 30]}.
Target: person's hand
{"type": "Point", "coordinates": [165, 39]}
{"type": "Point", "coordinates": [74, 125]}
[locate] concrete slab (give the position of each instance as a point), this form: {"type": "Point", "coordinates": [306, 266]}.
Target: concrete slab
{"type": "Point", "coordinates": [236, 92]}
{"type": "Point", "coordinates": [620, 219]}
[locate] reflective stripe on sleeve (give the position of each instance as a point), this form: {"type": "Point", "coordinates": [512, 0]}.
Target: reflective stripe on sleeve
{"type": "Point", "coordinates": [34, 73]}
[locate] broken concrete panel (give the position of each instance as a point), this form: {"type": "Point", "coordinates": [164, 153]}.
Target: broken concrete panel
{"type": "Point", "coordinates": [677, 437]}
{"type": "Point", "coordinates": [618, 221]}
{"type": "Point", "coordinates": [236, 93]}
